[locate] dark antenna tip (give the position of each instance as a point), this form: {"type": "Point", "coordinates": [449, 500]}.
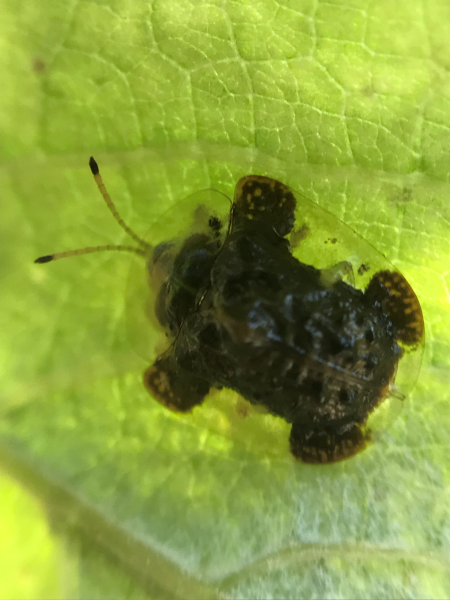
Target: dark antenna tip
{"type": "Point", "coordinates": [94, 166]}
{"type": "Point", "coordinates": [44, 259]}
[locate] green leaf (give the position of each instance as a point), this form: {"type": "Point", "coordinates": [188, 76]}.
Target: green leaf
{"type": "Point", "coordinates": [26, 549]}
{"type": "Point", "coordinates": [346, 102]}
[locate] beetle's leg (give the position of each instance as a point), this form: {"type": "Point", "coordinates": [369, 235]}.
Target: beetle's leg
{"type": "Point", "coordinates": [400, 303]}
{"type": "Point", "coordinates": [174, 388]}
{"type": "Point", "coordinates": [328, 444]}
{"type": "Point", "coordinates": [337, 272]}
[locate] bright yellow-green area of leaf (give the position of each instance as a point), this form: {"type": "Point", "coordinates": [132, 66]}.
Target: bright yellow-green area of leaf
{"type": "Point", "coordinates": [27, 553]}
{"type": "Point", "coordinates": [349, 103]}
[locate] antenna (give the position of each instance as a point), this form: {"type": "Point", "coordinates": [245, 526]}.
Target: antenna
{"type": "Point", "coordinates": [140, 251]}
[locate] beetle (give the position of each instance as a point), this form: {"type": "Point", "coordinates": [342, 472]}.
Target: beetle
{"type": "Point", "coordinates": [242, 312]}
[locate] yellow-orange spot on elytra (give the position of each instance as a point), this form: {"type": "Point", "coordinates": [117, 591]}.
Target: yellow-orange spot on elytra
{"type": "Point", "coordinates": [249, 197]}
{"type": "Point", "coordinates": [250, 217]}
{"type": "Point", "coordinates": [258, 192]}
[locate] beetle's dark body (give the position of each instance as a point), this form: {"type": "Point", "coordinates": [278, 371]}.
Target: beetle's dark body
{"type": "Point", "coordinates": [248, 315]}
{"type": "Point", "coordinates": [269, 329]}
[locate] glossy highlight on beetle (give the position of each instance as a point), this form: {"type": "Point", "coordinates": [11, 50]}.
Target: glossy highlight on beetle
{"type": "Point", "coordinates": [241, 312]}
